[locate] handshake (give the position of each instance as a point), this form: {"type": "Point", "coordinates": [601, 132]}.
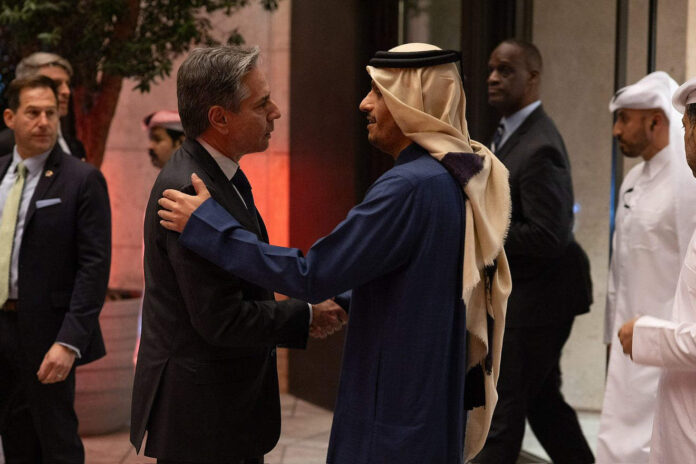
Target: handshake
{"type": "Point", "coordinates": [327, 318]}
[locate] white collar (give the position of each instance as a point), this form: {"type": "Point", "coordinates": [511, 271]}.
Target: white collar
{"type": "Point", "coordinates": [33, 164]}
{"type": "Point", "coordinates": [658, 161]}
{"type": "Point", "coordinates": [227, 165]}
{"type": "Point", "coordinates": [515, 120]}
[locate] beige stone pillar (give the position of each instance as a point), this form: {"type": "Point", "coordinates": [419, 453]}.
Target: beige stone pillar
{"type": "Point", "coordinates": [576, 40]}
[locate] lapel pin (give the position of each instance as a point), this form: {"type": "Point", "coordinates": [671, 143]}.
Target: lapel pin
{"type": "Point", "coordinates": [48, 173]}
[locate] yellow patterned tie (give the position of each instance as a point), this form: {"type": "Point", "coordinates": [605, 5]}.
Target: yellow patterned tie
{"type": "Point", "coordinates": [7, 230]}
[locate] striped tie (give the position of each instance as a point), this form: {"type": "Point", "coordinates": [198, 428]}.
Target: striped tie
{"type": "Point", "coordinates": [497, 137]}
{"type": "Point", "coordinates": [7, 230]}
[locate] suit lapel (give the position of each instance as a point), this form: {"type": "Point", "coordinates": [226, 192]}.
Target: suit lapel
{"type": "Point", "coordinates": [262, 227]}
{"type": "Point", "coordinates": [220, 187]}
{"type": "Point", "coordinates": [5, 162]}
{"type": "Point", "coordinates": [516, 136]}
{"type": "Point", "coordinates": [51, 170]}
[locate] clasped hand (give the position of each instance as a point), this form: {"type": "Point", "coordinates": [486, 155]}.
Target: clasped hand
{"type": "Point", "coordinates": [177, 208]}
{"type": "Point", "coordinates": [327, 318]}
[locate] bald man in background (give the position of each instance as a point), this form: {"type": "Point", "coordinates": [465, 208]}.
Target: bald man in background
{"type": "Point", "coordinates": [551, 281]}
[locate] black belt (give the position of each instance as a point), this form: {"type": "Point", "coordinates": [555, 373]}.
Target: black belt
{"type": "Point", "coordinates": [10, 305]}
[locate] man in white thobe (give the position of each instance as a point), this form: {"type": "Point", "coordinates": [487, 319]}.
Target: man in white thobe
{"type": "Point", "coordinates": [671, 344]}
{"type": "Point", "coordinates": [656, 215]}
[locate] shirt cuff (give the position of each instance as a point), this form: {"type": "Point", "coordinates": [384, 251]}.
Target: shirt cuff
{"type": "Point", "coordinates": [647, 333]}
{"type": "Point", "coordinates": [71, 348]}
{"type": "Point", "coordinates": [311, 313]}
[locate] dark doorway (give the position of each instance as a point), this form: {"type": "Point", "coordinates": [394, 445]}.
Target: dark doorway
{"type": "Point", "coordinates": [331, 163]}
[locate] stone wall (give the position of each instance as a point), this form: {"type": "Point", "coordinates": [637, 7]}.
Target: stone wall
{"type": "Point", "coordinates": [577, 43]}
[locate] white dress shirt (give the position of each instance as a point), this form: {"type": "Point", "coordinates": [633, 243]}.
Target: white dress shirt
{"type": "Point", "coordinates": [34, 166]}
{"type": "Point", "coordinates": [671, 345]}
{"type": "Point", "coordinates": [514, 121]}
{"type": "Point", "coordinates": [227, 165]}
{"type": "Point", "coordinates": [655, 217]}
{"type": "Point", "coordinates": [62, 142]}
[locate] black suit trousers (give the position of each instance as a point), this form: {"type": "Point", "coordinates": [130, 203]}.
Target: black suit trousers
{"type": "Point", "coordinates": [37, 422]}
{"type": "Point", "coordinates": [530, 387]}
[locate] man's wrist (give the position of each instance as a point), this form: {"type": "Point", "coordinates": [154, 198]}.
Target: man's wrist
{"type": "Point", "coordinates": [77, 353]}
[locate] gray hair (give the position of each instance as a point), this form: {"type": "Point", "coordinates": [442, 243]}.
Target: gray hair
{"type": "Point", "coordinates": [30, 65]}
{"type": "Point", "coordinates": [209, 77]}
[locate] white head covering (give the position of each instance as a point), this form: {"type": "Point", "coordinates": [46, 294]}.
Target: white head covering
{"type": "Point", "coordinates": [654, 91]}
{"type": "Point", "coordinates": [429, 106]}
{"type": "Point", "coordinates": [164, 118]}
{"type": "Point", "coordinates": [685, 95]}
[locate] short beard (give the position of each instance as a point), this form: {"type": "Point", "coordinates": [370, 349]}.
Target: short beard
{"type": "Point", "coordinates": [636, 148]}
{"type": "Point", "coordinates": [154, 159]}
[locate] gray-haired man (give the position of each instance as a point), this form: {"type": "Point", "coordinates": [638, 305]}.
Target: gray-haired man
{"type": "Point", "coordinates": [206, 387]}
{"type": "Point", "coordinates": [60, 71]}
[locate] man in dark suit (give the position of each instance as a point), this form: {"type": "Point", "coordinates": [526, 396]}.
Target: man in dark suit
{"type": "Point", "coordinates": [206, 387]}
{"type": "Point", "coordinates": [55, 247]}
{"type": "Point", "coordinates": [550, 271]}
{"type": "Point", "coordinates": [59, 69]}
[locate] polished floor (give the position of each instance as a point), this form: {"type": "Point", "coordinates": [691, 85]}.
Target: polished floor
{"type": "Point", "coordinates": [303, 440]}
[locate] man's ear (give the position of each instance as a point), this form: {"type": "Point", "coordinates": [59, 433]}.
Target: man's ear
{"type": "Point", "coordinates": [217, 116]}
{"type": "Point", "coordinates": [8, 116]}
{"type": "Point", "coordinates": [664, 119]}
{"type": "Point", "coordinates": [658, 118]}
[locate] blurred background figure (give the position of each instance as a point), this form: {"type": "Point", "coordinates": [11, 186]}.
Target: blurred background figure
{"type": "Point", "coordinates": [670, 344]}
{"type": "Point", "coordinates": [55, 256]}
{"type": "Point", "coordinates": [166, 135]}
{"type": "Point", "coordinates": [60, 71]}
{"type": "Point", "coordinates": [551, 281]}
{"type": "Point", "coordinates": [655, 217]}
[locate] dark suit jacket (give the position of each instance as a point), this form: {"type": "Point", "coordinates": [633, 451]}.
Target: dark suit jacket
{"type": "Point", "coordinates": [64, 260]}
{"type": "Point", "coordinates": [550, 271]}
{"type": "Point", "coordinates": [7, 143]}
{"type": "Point", "coordinates": [206, 386]}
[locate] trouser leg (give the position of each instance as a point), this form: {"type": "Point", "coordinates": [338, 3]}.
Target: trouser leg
{"type": "Point", "coordinates": [507, 426]}
{"type": "Point", "coordinates": [20, 443]}
{"type": "Point", "coordinates": [43, 421]}
{"type": "Point", "coordinates": [552, 419]}
{"type": "Point", "coordinates": [39, 423]}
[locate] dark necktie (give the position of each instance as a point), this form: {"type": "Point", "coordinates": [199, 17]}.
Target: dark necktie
{"type": "Point", "coordinates": [243, 186]}
{"type": "Point", "coordinates": [497, 137]}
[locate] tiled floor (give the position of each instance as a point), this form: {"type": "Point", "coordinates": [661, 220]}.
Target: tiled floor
{"type": "Point", "coordinates": [304, 438]}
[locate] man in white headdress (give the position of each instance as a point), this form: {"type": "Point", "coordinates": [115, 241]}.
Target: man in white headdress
{"type": "Point", "coordinates": [425, 263]}
{"type": "Point", "coordinates": [656, 215]}
{"type": "Point", "coordinates": [166, 134]}
{"type": "Point", "coordinates": [671, 344]}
